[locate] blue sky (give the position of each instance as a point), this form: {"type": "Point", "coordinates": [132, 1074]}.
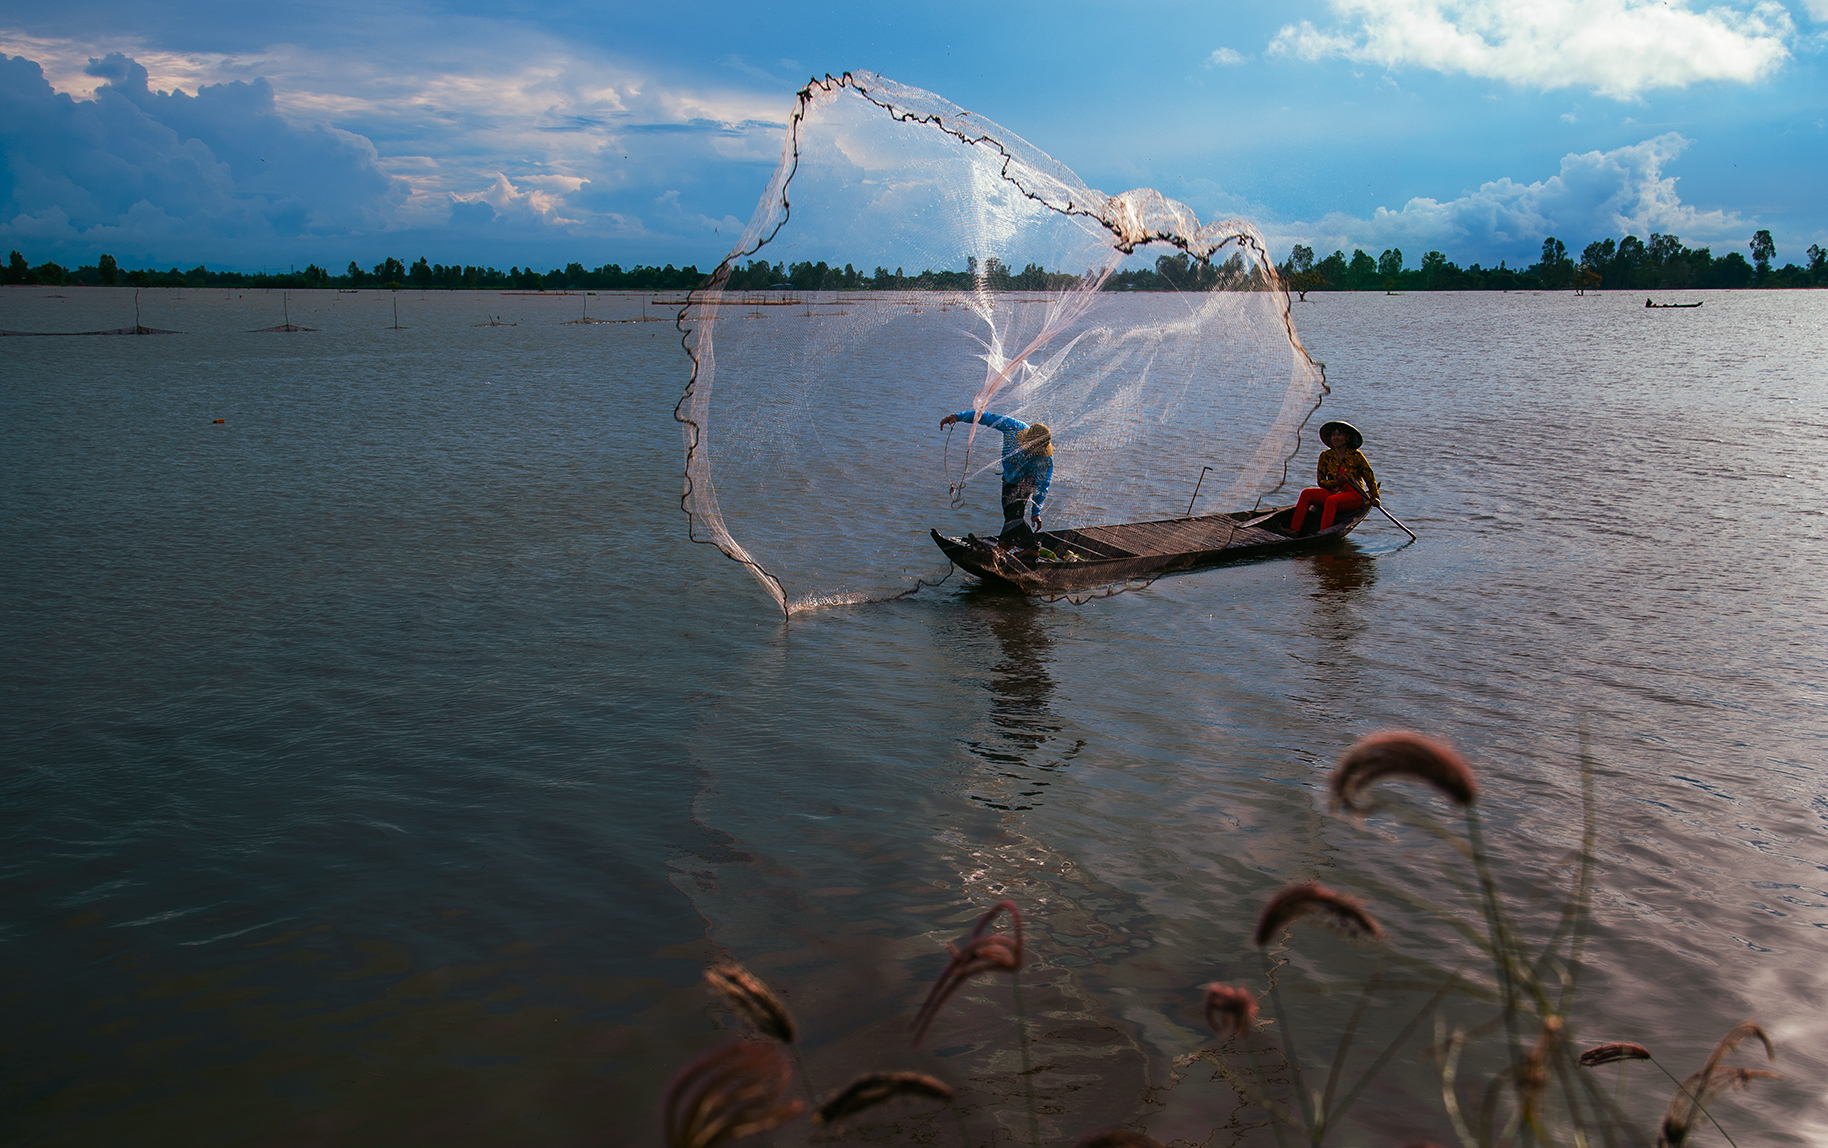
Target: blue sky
{"type": "Point", "coordinates": [250, 136]}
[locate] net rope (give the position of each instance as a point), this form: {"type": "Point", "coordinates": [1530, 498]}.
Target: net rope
{"type": "Point", "coordinates": [813, 455]}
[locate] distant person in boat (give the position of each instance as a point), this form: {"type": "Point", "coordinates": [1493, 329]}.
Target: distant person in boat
{"type": "Point", "coordinates": [1344, 475]}
{"type": "Point", "coordinates": [1028, 470]}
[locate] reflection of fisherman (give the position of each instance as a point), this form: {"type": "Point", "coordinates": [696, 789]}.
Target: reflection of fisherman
{"type": "Point", "coordinates": [1028, 469]}
{"type": "Point", "coordinates": [1344, 476]}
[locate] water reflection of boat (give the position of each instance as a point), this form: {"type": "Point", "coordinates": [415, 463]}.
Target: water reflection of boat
{"type": "Point", "coordinates": [1341, 579]}
{"type": "Point", "coordinates": [1102, 555]}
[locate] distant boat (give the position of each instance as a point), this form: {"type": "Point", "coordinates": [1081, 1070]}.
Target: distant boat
{"type": "Point", "coordinates": [1104, 555]}
{"type": "Point", "coordinates": [1677, 306]}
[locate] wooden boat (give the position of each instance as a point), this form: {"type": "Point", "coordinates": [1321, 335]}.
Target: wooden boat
{"type": "Point", "coordinates": [1669, 306]}
{"type": "Point", "coordinates": [1095, 556]}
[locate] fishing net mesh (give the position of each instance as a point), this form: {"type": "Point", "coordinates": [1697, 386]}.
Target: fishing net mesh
{"type": "Point", "coordinates": [814, 454]}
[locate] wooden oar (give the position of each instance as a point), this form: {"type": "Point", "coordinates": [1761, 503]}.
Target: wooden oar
{"type": "Point", "coordinates": [1394, 519]}
{"type": "Point", "coordinates": [1366, 495]}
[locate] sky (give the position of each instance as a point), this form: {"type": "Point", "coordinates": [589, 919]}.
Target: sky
{"type": "Point", "coordinates": [263, 137]}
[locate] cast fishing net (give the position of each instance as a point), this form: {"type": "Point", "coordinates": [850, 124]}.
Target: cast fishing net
{"type": "Point", "coordinates": [946, 265]}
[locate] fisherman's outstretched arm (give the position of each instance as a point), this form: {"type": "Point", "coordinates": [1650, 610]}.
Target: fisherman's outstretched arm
{"type": "Point", "coordinates": [1000, 422]}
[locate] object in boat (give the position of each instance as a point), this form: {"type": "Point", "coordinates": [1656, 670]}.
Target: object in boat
{"type": "Point", "coordinates": [1677, 306]}
{"type": "Point", "coordinates": [1068, 561]}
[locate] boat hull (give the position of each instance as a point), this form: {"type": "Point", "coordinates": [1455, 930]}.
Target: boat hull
{"type": "Point", "coordinates": [1133, 551]}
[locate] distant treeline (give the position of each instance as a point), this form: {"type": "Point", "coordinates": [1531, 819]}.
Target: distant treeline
{"type": "Point", "coordinates": [1605, 264]}
{"type": "Point", "coordinates": [1624, 264]}
{"type": "Point", "coordinates": [388, 273]}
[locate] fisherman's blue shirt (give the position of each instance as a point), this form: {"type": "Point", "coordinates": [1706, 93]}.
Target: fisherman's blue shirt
{"type": "Point", "coordinates": [1018, 465]}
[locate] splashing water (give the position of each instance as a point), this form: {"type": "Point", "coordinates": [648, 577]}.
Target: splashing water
{"type": "Point", "coordinates": [812, 454]}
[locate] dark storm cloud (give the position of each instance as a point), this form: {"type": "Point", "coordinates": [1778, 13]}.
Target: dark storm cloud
{"type": "Point", "coordinates": [143, 171]}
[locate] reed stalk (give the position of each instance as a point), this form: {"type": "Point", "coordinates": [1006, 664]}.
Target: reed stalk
{"type": "Point", "coordinates": [1287, 1039]}
{"type": "Point", "coordinates": [1494, 919]}
{"type": "Point", "coordinates": [1682, 1087]}
{"type": "Point", "coordinates": [1028, 1080]}
{"type": "Point", "coordinates": [799, 1067]}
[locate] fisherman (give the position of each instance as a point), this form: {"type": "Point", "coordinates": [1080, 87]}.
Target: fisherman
{"type": "Point", "coordinates": [1344, 475]}
{"type": "Point", "coordinates": [1028, 470]}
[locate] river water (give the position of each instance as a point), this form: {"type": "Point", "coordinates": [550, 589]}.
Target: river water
{"type": "Point", "coordinates": [384, 764]}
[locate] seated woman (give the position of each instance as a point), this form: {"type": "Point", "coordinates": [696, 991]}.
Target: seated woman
{"type": "Point", "coordinates": [1344, 475]}
{"type": "Point", "coordinates": [1028, 470]}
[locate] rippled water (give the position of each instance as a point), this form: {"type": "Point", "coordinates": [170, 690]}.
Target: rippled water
{"type": "Point", "coordinates": [383, 763]}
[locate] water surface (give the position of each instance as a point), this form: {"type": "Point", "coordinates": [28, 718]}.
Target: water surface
{"type": "Point", "coordinates": [384, 763]}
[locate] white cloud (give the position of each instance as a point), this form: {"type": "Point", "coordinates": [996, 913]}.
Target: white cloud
{"type": "Point", "coordinates": [1595, 195]}
{"type": "Point", "coordinates": [1619, 48]}
{"type": "Point", "coordinates": [1817, 9]}
{"type": "Point", "coordinates": [1223, 57]}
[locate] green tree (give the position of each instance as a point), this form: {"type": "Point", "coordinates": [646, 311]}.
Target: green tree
{"type": "Point", "coordinates": [1332, 271]}
{"type": "Point", "coordinates": [1176, 271]}
{"type": "Point", "coordinates": [1631, 265]}
{"type": "Point", "coordinates": [390, 272]}
{"type": "Point", "coordinates": [1390, 267]}
{"type": "Point", "coordinates": [109, 269]}
{"type": "Point", "coordinates": [1556, 270]}
{"type": "Point", "coordinates": [1763, 250]}
{"type": "Point", "coordinates": [16, 269]}
{"type": "Point", "coordinates": [1361, 273]}
{"type": "Point", "coordinates": [1731, 270]}
{"type": "Point", "coordinates": [356, 274]}
{"type": "Point", "coordinates": [1301, 259]}
{"type": "Point", "coordinates": [421, 274]}
{"type": "Point", "coordinates": [1661, 255]}
{"type": "Point", "coordinates": [1434, 267]}
{"type": "Point", "coordinates": [1818, 263]}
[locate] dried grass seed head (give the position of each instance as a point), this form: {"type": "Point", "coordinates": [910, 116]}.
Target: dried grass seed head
{"type": "Point", "coordinates": [1732, 1040]}
{"type": "Point", "coordinates": [875, 1088]}
{"type": "Point", "coordinates": [1015, 919]}
{"type": "Point", "coordinates": [1399, 753]}
{"type": "Point", "coordinates": [980, 953]}
{"type": "Point", "coordinates": [1607, 1053]}
{"type": "Point", "coordinates": [1310, 897]}
{"type": "Point", "coordinates": [1696, 1091]}
{"type": "Point", "coordinates": [1230, 1010]}
{"type": "Point", "coordinates": [744, 992]}
{"type": "Point", "coordinates": [730, 1092]}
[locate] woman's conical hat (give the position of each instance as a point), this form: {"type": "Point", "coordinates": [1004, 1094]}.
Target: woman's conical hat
{"type": "Point", "coordinates": [1327, 429]}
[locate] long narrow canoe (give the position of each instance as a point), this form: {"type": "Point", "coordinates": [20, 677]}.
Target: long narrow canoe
{"type": "Point", "coordinates": [1105, 555]}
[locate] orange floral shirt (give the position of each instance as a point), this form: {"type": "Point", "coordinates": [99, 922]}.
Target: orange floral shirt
{"type": "Point", "coordinates": [1351, 468]}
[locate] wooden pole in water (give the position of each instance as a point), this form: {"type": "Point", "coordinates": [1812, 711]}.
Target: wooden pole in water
{"type": "Point", "coordinates": [1196, 492]}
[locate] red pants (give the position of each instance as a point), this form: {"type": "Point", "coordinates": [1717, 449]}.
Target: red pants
{"type": "Point", "coordinates": [1331, 503]}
